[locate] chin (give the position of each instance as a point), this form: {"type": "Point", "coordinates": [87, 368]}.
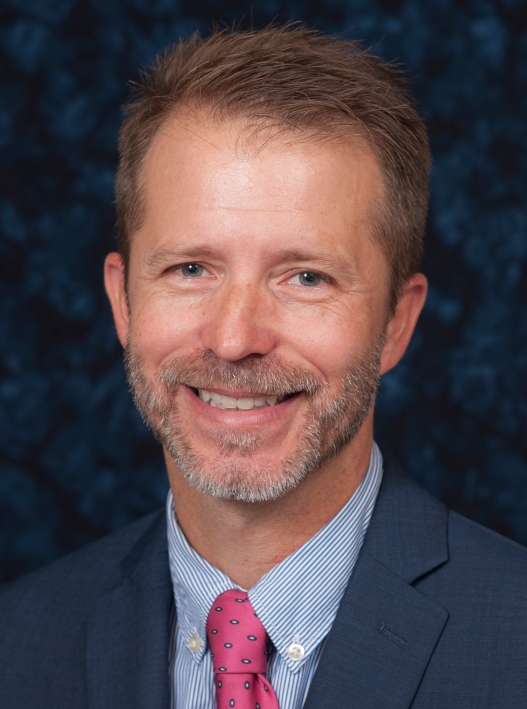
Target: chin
{"type": "Point", "coordinates": [242, 476]}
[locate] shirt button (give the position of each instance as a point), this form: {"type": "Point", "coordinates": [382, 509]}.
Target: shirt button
{"type": "Point", "coordinates": [194, 643]}
{"type": "Point", "coordinates": [295, 652]}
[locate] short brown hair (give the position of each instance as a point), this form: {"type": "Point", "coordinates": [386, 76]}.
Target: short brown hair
{"type": "Point", "coordinates": [298, 79]}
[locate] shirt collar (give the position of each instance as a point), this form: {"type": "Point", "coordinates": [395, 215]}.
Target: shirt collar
{"type": "Point", "coordinates": [314, 577]}
{"type": "Point", "coordinates": [195, 582]}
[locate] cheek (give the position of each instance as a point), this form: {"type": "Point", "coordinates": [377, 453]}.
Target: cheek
{"type": "Point", "coordinates": [158, 329]}
{"type": "Point", "coordinates": [329, 339]}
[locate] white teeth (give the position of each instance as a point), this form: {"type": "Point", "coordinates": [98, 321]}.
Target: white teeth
{"type": "Point", "coordinates": [228, 402]}
{"type": "Point", "coordinates": [245, 404]}
{"type": "Point", "coordinates": [220, 401]}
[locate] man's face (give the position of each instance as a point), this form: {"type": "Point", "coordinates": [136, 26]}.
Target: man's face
{"type": "Point", "coordinates": [257, 305]}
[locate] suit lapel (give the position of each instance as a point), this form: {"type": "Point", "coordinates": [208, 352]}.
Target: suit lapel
{"type": "Point", "coordinates": [386, 630]}
{"type": "Point", "coordinates": [128, 631]}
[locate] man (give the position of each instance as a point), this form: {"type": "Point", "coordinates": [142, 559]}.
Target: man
{"type": "Point", "coordinates": [271, 200]}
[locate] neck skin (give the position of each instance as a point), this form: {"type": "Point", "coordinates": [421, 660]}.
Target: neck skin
{"type": "Point", "coordinates": [246, 540]}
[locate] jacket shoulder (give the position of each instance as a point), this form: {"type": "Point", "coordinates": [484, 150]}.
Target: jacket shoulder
{"type": "Point", "coordinates": [483, 555]}
{"type": "Point", "coordinates": [71, 583]}
{"type": "Point", "coordinates": [44, 616]}
{"type": "Point", "coordinates": [418, 537]}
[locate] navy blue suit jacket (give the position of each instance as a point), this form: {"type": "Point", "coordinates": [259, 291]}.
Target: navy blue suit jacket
{"type": "Point", "coordinates": [434, 617]}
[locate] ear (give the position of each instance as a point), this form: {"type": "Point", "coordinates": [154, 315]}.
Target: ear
{"type": "Point", "coordinates": [115, 289]}
{"type": "Point", "coordinates": [402, 325]}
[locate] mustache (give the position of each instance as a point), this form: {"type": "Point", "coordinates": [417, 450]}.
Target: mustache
{"type": "Point", "coordinates": [268, 375]}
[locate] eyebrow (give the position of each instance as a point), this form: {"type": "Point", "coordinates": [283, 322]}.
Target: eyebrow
{"type": "Point", "coordinates": [307, 255]}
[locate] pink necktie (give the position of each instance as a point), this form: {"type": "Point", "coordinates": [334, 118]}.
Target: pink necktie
{"type": "Point", "coordinates": [238, 642]}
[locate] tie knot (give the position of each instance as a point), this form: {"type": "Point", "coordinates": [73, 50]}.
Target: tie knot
{"type": "Point", "coordinates": [237, 638]}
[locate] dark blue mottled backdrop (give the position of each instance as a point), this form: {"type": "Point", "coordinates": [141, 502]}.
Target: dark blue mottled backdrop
{"type": "Point", "coordinates": [76, 460]}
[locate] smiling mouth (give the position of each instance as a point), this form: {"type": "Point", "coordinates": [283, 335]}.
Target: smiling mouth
{"type": "Point", "coordinates": [220, 401]}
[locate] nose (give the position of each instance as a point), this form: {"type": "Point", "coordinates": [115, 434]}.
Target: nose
{"type": "Point", "coordinates": [239, 323]}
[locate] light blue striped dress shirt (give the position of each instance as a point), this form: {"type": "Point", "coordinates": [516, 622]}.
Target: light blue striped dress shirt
{"type": "Point", "coordinates": [297, 601]}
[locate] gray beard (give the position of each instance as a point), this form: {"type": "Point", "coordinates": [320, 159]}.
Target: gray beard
{"type": "Point", "coordinates": [331, 421]}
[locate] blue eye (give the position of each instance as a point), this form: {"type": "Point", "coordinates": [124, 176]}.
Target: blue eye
{"type": "Point", "coordinates": [191, 270]}
{"type": "Point", "coordinates": [308, 278]}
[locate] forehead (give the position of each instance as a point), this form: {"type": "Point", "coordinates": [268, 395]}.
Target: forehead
{"type": "Point", "coordinates": [188, 145]}
{"type": "Point", "coordinates": [223, 178]}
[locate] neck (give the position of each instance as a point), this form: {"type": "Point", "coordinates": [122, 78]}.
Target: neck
{"type": "Point", "coordinates": [246, 540]}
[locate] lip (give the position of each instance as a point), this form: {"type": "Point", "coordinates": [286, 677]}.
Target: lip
{"type": "Point", "coordinates": [236, 417]}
